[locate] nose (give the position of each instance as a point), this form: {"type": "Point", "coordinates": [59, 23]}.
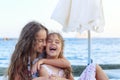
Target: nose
{"type": "Point", "coordinates": [44, 43]}
{"type": "Point", "coordinates": [53, 42]}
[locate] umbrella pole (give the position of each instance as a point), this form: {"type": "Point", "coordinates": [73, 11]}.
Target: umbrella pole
{"type": "Point", "coordinates": [89, 47]}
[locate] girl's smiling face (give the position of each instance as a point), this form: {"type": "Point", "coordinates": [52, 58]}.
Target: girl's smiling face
{"type": "Point", "coordinates": [53, 46]}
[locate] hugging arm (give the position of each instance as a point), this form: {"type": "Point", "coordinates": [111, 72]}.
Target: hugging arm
{"type": "Point", "coordinates": [60, 62]}
{"type": "Point", "coordinates": [44, 75]}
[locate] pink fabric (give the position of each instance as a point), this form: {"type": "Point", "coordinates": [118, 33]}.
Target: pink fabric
{"type": "Point", "coordinates": [51, 72]}
{"type": "Point", "coordinates": [89, 73]}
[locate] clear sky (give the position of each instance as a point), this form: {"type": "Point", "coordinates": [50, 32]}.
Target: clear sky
{"type": "Point", "coordinates": [14, 14]}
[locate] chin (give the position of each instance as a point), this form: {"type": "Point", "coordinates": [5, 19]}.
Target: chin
{"type": "Point", "coordinates": [39, 52]}
{"type": "Point", "coordinates": [52, 56]}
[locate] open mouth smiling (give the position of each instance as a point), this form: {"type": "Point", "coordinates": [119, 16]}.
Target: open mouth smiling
{"type": "Point", "coordinates": [52, 49]}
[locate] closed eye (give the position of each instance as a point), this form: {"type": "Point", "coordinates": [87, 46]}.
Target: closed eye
{"type": "Point", "coordinates": [49, 41]}
{"type": "Point", "coordinates": [57, 42]}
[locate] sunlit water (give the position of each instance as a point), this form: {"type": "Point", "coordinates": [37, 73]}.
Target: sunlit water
{"type": "Point", "coordinates": [104, 51]}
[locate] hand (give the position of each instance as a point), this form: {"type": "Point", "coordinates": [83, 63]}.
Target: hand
{"type": "Point", "coordinates": [36, 66]}
{"type": "Point", "coordinates": [40, 62]}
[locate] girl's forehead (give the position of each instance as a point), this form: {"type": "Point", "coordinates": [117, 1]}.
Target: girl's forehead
{"type": "Point", "coordinates": [53, 36]}
{"type": "Point", "coordinates": [41, 33]}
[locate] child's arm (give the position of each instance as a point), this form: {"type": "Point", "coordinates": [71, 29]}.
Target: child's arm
{"type": "Point", "coordinates": [44, 75]}
{"type": "Point", "coordinates": [61, 62]}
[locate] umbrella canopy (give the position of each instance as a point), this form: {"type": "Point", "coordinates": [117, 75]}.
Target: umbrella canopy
{"type": "Point", "coordinates": [80, 15]}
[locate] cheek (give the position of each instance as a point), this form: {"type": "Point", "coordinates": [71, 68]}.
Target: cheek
{"type": "Point", "coordinates": [36, 46]}
{"type": "Point", "coordinates": [60, 48]}
{"type": "Point", "coordinates": [47, 47]}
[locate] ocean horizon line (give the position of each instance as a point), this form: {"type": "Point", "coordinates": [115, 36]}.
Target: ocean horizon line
{"type": "Point", "coordinates": [12, 38]}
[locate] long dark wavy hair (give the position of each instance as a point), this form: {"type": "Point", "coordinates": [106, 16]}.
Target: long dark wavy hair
{"type": "Point", "coordinates": [24, 50]}
{"type": "Point", "coordinates": [68, 70]}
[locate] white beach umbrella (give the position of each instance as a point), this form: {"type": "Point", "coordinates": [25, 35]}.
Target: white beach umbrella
{"type": "Point", "coordinates": [80, 15]}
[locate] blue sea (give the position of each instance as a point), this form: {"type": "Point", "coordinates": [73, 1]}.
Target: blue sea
{"type": "Point", "coordinates": [103, 50]}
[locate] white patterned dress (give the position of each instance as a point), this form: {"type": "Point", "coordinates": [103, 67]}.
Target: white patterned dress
{"type": "Point", "coordinates": [88, 73]}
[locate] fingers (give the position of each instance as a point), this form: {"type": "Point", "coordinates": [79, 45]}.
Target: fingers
{"type": "Point", "coordinates": [39, 64]}
{"type": "Point", "coordinates": [34, 68]}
